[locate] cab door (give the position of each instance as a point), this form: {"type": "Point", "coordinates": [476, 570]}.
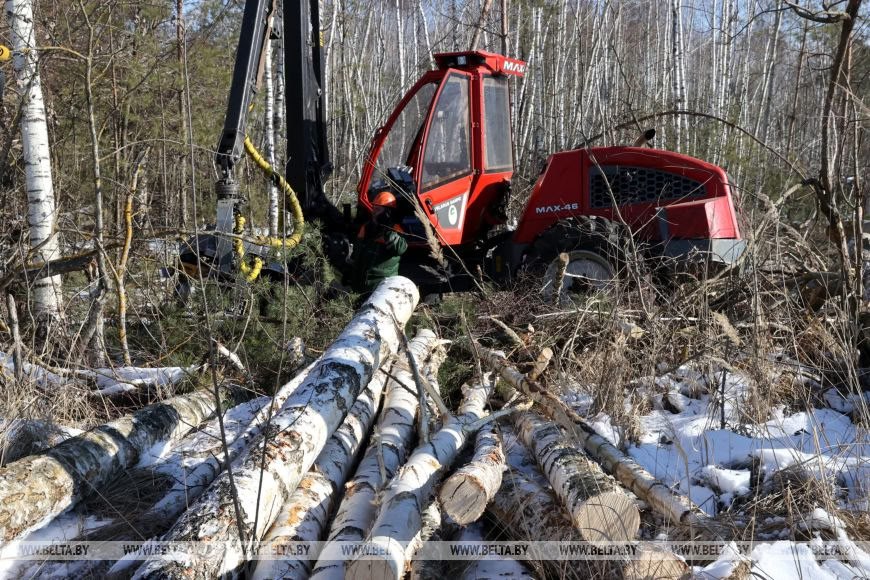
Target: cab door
{"type": "Point", "coordinates": [445, 175]}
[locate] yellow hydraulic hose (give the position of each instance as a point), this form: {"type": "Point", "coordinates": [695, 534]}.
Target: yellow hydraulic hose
{"type": "Point", "coordinates": [252, 272]}
{"type": "Point", "coordinates": [289, 194]}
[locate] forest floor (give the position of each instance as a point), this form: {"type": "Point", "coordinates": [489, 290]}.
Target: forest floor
{"type": "Point", "coordinates": [738, 400]}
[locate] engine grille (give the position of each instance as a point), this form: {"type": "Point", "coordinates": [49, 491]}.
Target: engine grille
{"type": "Point", "coordinates": [640, 185]}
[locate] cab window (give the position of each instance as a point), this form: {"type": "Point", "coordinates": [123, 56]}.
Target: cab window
{"type": "Point", "coordinates": [497, 124]}
{"type": "Point", "coordinates": [448, 151]}
{"type": "Point", "coordinates": [399, 144]}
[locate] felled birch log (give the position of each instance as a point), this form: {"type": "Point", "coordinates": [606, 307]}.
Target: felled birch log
{"type": "Point", "coordinates": [531, 482]}
{"type": "Point", "coordinates": [598, 506]}
{"type": "Point", "coordinates": [179, 469]}
{"type": "Point", "coordinates": [676, 508]}
{"type": "Point", "coordinates": [490, 568]}
{"type": "Point", "coordinates": [196, 461]}
{"type": "Point", "coordinates": [466, 493]}
{"type": "Point", "coordinates": [400, 516]}
{"type": "Point", "coordinates": [391, 442]}
{"type": "Point", "coordinates": [238, 508]}
{"type": "Point", "coordinates": [430, 530]}
{"type": "Point", "coordinates": [655, 564]}
{"type": "Point", "coordinates": [305, 516]}
{"type": "Point", "coordinates": [35, 489]}
{"type": "Point", "coordinates": [528, 511]}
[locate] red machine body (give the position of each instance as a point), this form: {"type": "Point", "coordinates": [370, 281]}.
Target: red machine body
{"type": "Point", "coordinates": [447, 148]}
{"type": "Point", "coordinates": [661, 195]}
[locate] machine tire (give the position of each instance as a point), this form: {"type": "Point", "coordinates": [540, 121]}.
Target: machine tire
{"type": "Point", "coordinates": [596, 248]}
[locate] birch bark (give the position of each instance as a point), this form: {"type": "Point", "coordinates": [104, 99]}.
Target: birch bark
{"type": "Point", "coordinates": [466, 493]}
{"type": "Point", "coordinates": [265, 478]}
{"type": "Point", "coordinates": [599, 508]}
{"type": "Point", "coordinates": [391, 442]}
{"type": "Point", "coordinates": [305, 516]}
{"type": "Point", "coordinates": [400, 518]}
{"type": "Point", "coordinates": [38, 184]}
{"type": "Point", "coordinates": [35, 489]}
{"type": "Point", "coordinates": [269, 137]}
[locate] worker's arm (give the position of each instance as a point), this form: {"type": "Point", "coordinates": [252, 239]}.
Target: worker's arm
{"type": "Point", "coordinates": [394, 242]}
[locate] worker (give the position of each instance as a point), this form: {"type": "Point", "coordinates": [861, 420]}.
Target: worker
{"type": "Point", "coordinates": [379, 245]}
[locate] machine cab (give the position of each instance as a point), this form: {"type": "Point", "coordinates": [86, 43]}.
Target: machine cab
{"type": "Point", "coordinates": [446, 150]}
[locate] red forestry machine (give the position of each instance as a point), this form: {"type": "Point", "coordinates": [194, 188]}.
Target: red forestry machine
{"type": "Point", "coordinates": [446, 154]}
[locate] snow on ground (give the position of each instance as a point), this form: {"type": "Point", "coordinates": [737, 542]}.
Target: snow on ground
{"type": "Point", "coordinates": [685, 444]}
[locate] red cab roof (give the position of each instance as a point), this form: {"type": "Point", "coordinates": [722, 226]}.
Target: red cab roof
{"type": "Point", "coordinates": [495, 62]}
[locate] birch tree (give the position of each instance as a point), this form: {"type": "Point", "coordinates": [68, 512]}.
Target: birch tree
{"type": "Point", "coordinates": [42, 210]}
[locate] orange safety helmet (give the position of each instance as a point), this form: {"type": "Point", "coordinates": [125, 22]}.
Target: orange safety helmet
{"type": "Point", "coordinates": [384, 199]}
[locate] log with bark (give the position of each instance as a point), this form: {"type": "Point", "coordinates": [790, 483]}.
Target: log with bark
{"type": "Point", "coordinates": [187, 470]}
{"type": "Point", "coordinates": [530, 492]}
{"type": "Point", "coordinates": [652, 563]}
{"type": "Point", "coordinates": [527, 511]}
{"type": "Point", "coordinates": [430, 531]}
{"type": "Point", "coordinates": [391, 442]}
{"type": "Point", "coordinates": [598, 506]}
{"type": "Point", "coordinates": [676, 508]}
{"type": "Point", "coordinates": [37, 488]}
{"type": "Point", "coordinates": [195, 463]}
{"type": "Point", "coordinates": [400, 516]}
{"type": "Point", "coordinates": [466, 493]}
{"type": "Point", "coordinates": [242, 504]}
{"type": "Point", "coordinates": [491, 567]}
{"type": "Point", "coordinates": [305, 516]}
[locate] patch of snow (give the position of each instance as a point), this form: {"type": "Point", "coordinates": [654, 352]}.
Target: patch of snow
{"type": "Point", "coordinates": [730, 482]}
{"type": "Point", "coordinates": [602, 425]}
{"type": "Point", "coordinates": [724, 566]}
{"type": "Point", "coordinates": [787, 561]}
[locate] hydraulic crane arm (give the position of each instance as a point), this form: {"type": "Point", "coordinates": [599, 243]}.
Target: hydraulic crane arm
{"type": "Point", "coordinates": [247, 73]}
{"type": "Point", "coordinates": [307, 152]}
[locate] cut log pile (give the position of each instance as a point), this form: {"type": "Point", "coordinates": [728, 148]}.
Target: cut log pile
{"type": "Point", "coordinates": [338, 455]}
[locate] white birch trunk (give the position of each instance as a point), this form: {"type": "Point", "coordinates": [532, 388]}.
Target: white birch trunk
{"type": "Point", "coordinates": [266, 477]}
{"type": "Point", "coordinates": [430, 530]}
{"type": "Point", "coordinates": [678, 73]}
{"type": "Point", "coordinates": [400, 517]}
{"type": "Point", "coordinates": [426, 38]}
{"type": "Point", "coordinates": [390, 445]}
{"type": "Point", "coordinates": [197, 460]}
{"type": "Point", "coordinates": [599, 508]}
{"type": "Point", "coordinates": [269, 137]}
{"type": "Point", "coordinates": [280, 110]}
{"type": "Point", "coordinates": [305, 516]}
{"type": "Point", "coordinates": [190, 467]}
{"type": "Point", "coordinates": [658, 564]}
{"type": "Point", "coordinates": [400, 43]}
{"type": "Point", "coordinates": [35, 489]}
{"type": "Point", "coordinates": [41, 209]}
{"type": "Point", "coordinates": [466, 493]}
